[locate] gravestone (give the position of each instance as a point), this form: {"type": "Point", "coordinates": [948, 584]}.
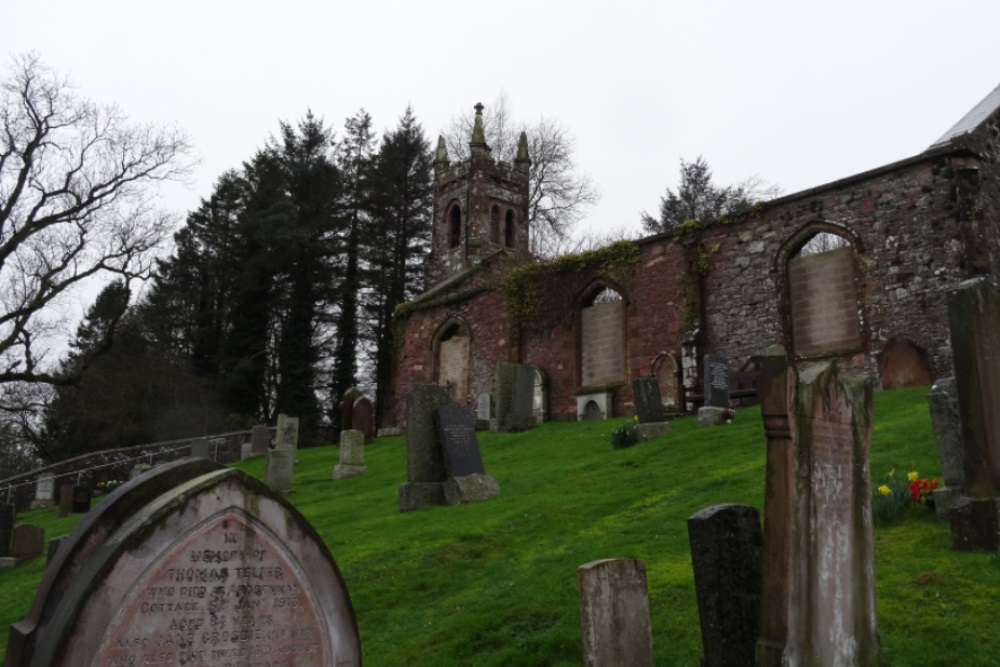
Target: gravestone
{"type": "Point", "coordinates": [364, 418]}
{"type": "Point", "coordinates": [648, 405]}
{"type": "Point", "coordinates": [943, 405]}
{"type": "Point", "coordinates": [82, 497]}
{"type": "Point", "coordinates": [54, 545]}
{"type": "Point", "coordinates": [818, 584]}
{"type": "Point", "coordinates": [425, 471]}
{"type": "Point", "coordinates": [201, 449]}
{"type": "Point", "coordinates": [716, 382]}
{"type": "Point", "coordinates": [138, 469]}
{"type": "Point", "coordinates": [287, 436]}
{"type": "Point", "coordinates": [280, 466]}
{"type": "Point", "coordinates": [726, 552]}
{"type": "Point", "coordinates": [463, 462]}
{"type": "Point", "coordinates": [27, 542]}
{"type": "Point", "coordinates": [190, 566]}
{"type": "Point", "coordinates": [8, 514]}
{"type": "Point", "coordinates": [484, 407]}
{"type": "Point", "coordinates": [66, 492]}
{"type": "Point", "coordinates": [347, 408]}
{"type": "Point", "coordinates": [45, 489]}
{"type": "Point", "coordinates": [974, 321]}
{"type": "Point", "coordinates": [515, 401]}
{"type": "Point", "coordinates": [352, 455]}
{"type": "Point", "coordinates": [614, 614]}
{"type": "Point", "coordinates": [260, 440]}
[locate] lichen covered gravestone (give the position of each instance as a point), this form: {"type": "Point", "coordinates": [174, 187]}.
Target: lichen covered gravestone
{"type": "Point", "coordinates": [614, 614]}
{"type": "Point", "coordinates": [195, 565]}
{"type": "Point", "coordinates": [352, 455]}
{"type": "Point", "coordinates": [943, 405]}
{"type": "Point", "coordinates": [45, 487]}
{"type": "Point", "coordinates": [515, 400]}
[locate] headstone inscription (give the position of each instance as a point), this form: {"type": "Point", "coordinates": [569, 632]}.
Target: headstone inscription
{"type": "Point", "coordinates": [363, 418]}
{"type": "Point", "coordinates": [27, 542]}
{"type": "Point", "coordinates": [648, 405]}
{"type": "Point", "coordinates": [466, 476]}
{"type": "Point", "coordinates": [8, 514]}
{"type": "Point", "coordinates": [716, 381]}
{"type": "Point", "coordinates": [726, 545]}
{"type": "Point", "coordinates": [818, 601]}
{"type": "Point", "coordinates": [515, 386]}
{"type": "Point", "coordinates": [942, 403]}
{"type": "Point", "coordinates": [352, 455]}
{"type": "Point", "coordinates": [614, 614]}
{"type": "Point", "coordinates": [425, 471]}
{"type": "Point", "coordinates": [214, 570]}
{"type": "Point", "coordinates": [974, 322]}
{"type": "Point", "coordinates": [45, 489]}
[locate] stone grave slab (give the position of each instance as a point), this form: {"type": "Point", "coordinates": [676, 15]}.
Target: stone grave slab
{"type": "Point", "coordinates": [352, 455]}
{"type": "Point", "coordinates": [211, 569]}
{"type": "Point", "coordinates": [648, 405]}
{"type": "Point", "coordinates": [364, 418]}
{"type": "Point", "coordinates": [27, 542]}
{"type": "Point", "coordinates": [425, 471]}
{"type": "Point", "coordinates": [716, 384]}
{"type": "Point", "coordinates": [45, 491]}
{"type": "Point", "coordinates": [614, 614]}
{"type": "Point", "coordinates": [515, 387]}
{"type": "Point", "coordinates": [8, 513]}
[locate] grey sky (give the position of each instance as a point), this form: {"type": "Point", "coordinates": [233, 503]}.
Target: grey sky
{"type": "Point", "coordinates": [797, 92]}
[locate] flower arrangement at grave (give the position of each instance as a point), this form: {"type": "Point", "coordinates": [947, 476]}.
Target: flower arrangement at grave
{"type": "Point", "coordinates": [108, 486]}
{"type": "Point", "coordinates": [728, 415]}
{"type": "Point", "coordinates": [892, 499]}
{"type": "Point", "coordinates": [922, 489]}
{"type": "Point", "coordinates": [625, 435]}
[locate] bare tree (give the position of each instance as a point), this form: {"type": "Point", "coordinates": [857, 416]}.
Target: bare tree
{"type": "Point", "coordinates": [77, 194]}
{"type": "Point", "coordinates": [559, 194]}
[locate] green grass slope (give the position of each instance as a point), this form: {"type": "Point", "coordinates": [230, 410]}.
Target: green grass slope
{"type": "Point", "coordinates": [494, 582]}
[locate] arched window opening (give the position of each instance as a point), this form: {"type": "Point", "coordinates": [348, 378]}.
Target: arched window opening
{"type": "Point", "coordinates": [453, 345]}
{"type": "Point", "coordinates": [495, 224]}
{"type": "Point", "coordinates": [822, 242]}
{"type": "Point", "coordinates": [606, 295]}
{"type": "Point", "coordinates": [509, 232]}
{"type": "Point", "coordinates": [454, 226]}
{"type": "Point", "coordinates": [602, 350]}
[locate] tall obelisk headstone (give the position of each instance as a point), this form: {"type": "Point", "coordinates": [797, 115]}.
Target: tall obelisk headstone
{"type": "Point", "coordinates": [974, 319]}
{"type": "Point", "coordinates": [818, 603]}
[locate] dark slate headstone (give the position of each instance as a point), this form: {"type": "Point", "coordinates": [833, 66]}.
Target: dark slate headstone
{"type": "Point", "coordinates": [716, 387]}
{"type": "Point", "coordinates": [166, 569]}
{"type": "Point", "coordinates": [363, 418]}
{"type": "Point", "coordinates": [457, 434]}
{"type": "Point", "coordinates": [54, 545]}
{"type": "Point", "coordinates": [27, 542]}
{"type": "Point", "coordinates": [726, 555]}
{"type": "Point", "coordinates": [7, 516]}
{"type": "Point", "coordinates": [82, 496]}
{"type": "Point", "coordinates": [648, 405]}
{"type": "Point", "coordinates": [515, 401]}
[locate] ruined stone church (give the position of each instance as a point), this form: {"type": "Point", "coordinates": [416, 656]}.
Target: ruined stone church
{"type": "Point", "coordinates": [904, 234]}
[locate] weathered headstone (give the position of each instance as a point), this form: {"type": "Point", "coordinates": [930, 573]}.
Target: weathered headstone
{"type": "Point", "coordinates": [484, 407]}
{"type": "Point", "coordinates": [82, 496]}
{"type": "Point", "coordinates": [27, 542]}
{"type": "Point", "coordinates": [66, 492]}
{"type": "Point", "coordinates": [648, 404]}
{"type": "Point", "coordinates": [726, 553]}
{"type": "Point", "coordinates": [716, 381]}
{"type": "Point", "coordinates": [45, 489]}
{"type": "Point", "coordinates": [974, 321]}
{"type": "Point", "coordinates": [943, 405]}
{"type": "Point", "coordinates": [8, 514]}
{"type": "Point", "coordinates": [287, 436]}
{"type": "Point", "coordinates": [364, 418]}
{"type": "Point", "coordinates": [425, 471]}
{"type": "Point", "coordinates": [352, 455]}
{"type": "Point", "coordinates": [818, 593]}
{"type": "Point", "coordinates": [196, 568]}
{"type": "Point", "coordinates": [467, 479]}
{"type": "Point", "coordinates": [515, 401]}
{"type": "Point", "coordinates": [201, 449]}
{"type": "Point", "coordinates": [260, 440]}
{"type": "Point", "coordinates": [614, 614]}
{"type": "Point", "coordinates": [280, 466]}
{"type": "Point", "coordinates": [347, 408]}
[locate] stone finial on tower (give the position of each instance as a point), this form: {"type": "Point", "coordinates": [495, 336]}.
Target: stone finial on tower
{"type": "Point", "coordinates": [522, 161]}
{"type": "Point", "coordinates": [441, 157]}
{"type": "Point", "coordinates": [478, 134]}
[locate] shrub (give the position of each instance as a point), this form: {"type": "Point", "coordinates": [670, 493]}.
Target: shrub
{"type": "Point", "coordinates": [625, 435]}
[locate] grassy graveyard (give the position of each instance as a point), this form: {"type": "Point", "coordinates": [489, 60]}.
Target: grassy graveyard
{"type": "Point", "coordinates": [494, 582]}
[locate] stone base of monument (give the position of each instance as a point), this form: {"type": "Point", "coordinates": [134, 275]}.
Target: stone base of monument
{"type": "Point", "coordinates": [469, 488]}
{"type": "Point", "coordinates": [343, 471]}
{"type": "Point", "coordinates": [944, 498]}
{"type": "Point", "coordinates": [7, 563]}
{"type": "Point", "coordinates": [651, 430]}
{"type": "Point", "coordinates": [709, 415]}
{"type": "Point", "coordinates": [974, 524]}
{"type": "Point", "coordinates": [414, 495]}
{"type": "Point", "coordinates": [42, 504]}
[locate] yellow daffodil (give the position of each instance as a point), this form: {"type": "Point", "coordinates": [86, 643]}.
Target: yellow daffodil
{"type": "Point", "coordinates": [884, 490]}
{"type": "Point", "coordinates": [911, 476]}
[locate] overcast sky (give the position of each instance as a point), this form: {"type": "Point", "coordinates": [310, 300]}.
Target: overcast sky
{"type": "Point", "coordinates": [797, 92]}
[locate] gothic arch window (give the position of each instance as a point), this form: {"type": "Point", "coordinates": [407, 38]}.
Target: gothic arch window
{"type": "Point", "coordinates": [824, 313]}
{"type": "Point", "coordinates": [454, 225]}
{"type": "Point", "coordinates": [509, 230]}
{"type": "Point", "coordinates": [495, 224]}
{"type": "Point", "coordinates": [602, 353]}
